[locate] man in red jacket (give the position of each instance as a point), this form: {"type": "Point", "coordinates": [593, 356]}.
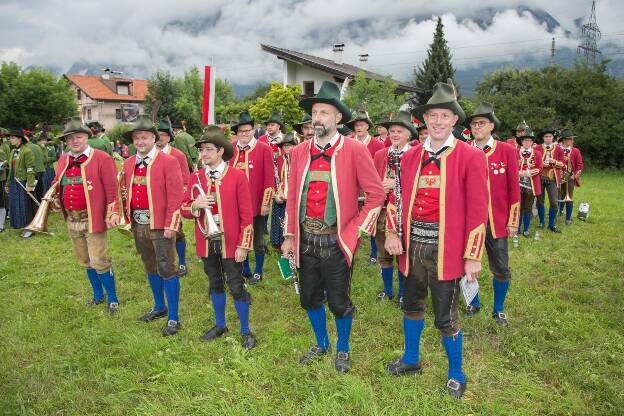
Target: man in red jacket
{"type": "Point", "coordinates": [323, 222]}
{"type": "Point", "coordinates": [255, 159]}
{"type": "Point", "coordinates": [165, 136]}
{"type": "Point", "coordinates": [154, 196]}
{"type": "Point", "coordinates": [550, 178]}
{"type": "Point", "coordinates": [444, 216]}
{"type": "Point", "coordinates": [503, 204]}
{"type": "Point", "coordinates": [226, 195]}
{"type": "Point", "coordinates": [86, 191]}
{"type": "Point", "coordinates": [530, 165]}
{"type": "Point", "coordinates": [572, 169]}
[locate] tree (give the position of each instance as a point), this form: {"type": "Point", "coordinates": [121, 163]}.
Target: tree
{"type": "Point", "coordinates": [189, 102]}
{"type": "Point", "coordinates": [378, 98]}
{"type": "Point", "coordinates": [32, 96]}
{"type": "Point", "coordinates": [224, 93]}
{"type": "Point", "coordinates": [162, 87]}
{"type": "Point", "coordinates": [437, 66]}
{"type": "Point", "coordinates": [284, 100]}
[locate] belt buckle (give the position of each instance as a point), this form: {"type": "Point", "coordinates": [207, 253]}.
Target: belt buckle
{"type": "Point", "coordinates": [141, 216]}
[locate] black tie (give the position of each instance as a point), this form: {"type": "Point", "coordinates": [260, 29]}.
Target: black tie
{"type": "Point", "coordinates": [486, 148]}
{"type": "Point", "coordinates": [213, 174]}
{"type": "Point", "coordinates": [525, 153]}
{"type": "Point", "coordinates": [433, 157]}
{"type": "Point", "coordinates": [142, 163]}
{"type": "Point", "coordinates": [242, 149]}
{"type": "Point", "coordinates": [567, 151]}
{"type": "Point", "coordinates": [322, 154]}
{"type": "Point", "coordinates": [75, 161]}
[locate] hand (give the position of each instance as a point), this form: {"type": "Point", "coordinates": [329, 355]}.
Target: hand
{"type": "Point", "coordinates": [202, 201]}
{"type": "Point", "coordinates": [29, 189]}
{"type": "Point", "coordinates": [169, 234]}
{"type": "Point", "coordinates": [393, 245]}
{"type": "Point", "coordinates": [279, 199]}
{"type": "Point", "coordinates": [113, 221]}
{"type": "Point", "coordinates": [388, 184]}
{"type": "Point", "coordinates": [511, 231]}
{"type": "Point", "coordinates": [264, 210]}
{"type": "Point", "coordinates": [240, 254]}
{"type": "Point", "coordinates": [471, 269]}
{"type": "Point", "coordinates": [288, 246]}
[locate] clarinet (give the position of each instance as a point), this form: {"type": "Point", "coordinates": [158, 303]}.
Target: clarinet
{"type": "Point", "coordinates": [291, 262]}
{"type": "Point", "coordinates": [396, 161]}
{"type": "Point", "coordinates": [276, 174]}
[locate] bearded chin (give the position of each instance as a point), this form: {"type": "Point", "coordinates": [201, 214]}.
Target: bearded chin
{"type": "Point", "coordinates": [320, 131]}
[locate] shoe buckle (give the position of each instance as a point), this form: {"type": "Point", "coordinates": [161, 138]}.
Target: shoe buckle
{"type": "Point", "coordinates": [342, 355]}
{"type": "Point", "coordinates": [453, 384]}
{"type": "Point", "coordinates": [171, 322]}
{"type": "Point", "coordinates": [501, 315]}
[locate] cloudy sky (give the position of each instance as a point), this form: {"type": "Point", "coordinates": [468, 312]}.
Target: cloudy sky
{"type": "Point", "coordinates": [142, 36]}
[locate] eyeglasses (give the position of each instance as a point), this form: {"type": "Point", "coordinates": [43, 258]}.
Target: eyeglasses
{"type": "Point", "coordinates": [244, 131]}
{"type": "Point", "coordinates": [479, 124]}
{"type": "Point", "coordinates": [208, 149]}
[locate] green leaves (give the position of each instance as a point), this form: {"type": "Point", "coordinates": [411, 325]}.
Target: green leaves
{"type": "Point", "coordinates": [284, 100]}
{"type": "Point", "coordinates": [378, 98]}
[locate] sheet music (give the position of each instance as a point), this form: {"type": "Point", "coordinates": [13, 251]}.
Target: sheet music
{"type": "Point", "coordinates": [469, 289]}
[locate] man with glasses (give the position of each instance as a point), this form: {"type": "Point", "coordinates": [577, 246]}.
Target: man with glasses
{"type": "Point", "coordinates": [503, 205]}
{"type": "Point", "coordinates": [255, 159]}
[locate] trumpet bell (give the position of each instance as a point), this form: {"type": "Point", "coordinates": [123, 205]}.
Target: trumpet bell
{"type": "Point", "coordinates": [39, 223]}
{"type": "Point", "coordinates": [125, 229]}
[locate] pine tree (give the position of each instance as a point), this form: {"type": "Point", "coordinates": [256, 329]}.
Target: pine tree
{"type": "Point", "coordinates": [436, 68]}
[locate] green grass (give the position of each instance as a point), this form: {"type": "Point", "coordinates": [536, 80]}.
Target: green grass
{"type": "Point", "coordinates": [562, 353]}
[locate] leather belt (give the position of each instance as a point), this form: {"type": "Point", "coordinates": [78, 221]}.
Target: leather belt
{"type": "Point", "coordinates": [141, 216]}
{"type": "Point", "coordinates": [317, 226]}
{"type": "Point", "coordinates": [424, 232]}
{"type": "Point", "coordinates": [79, 215]}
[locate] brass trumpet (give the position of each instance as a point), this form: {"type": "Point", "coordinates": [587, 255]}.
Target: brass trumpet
{"type": "Point", "coordinates": [124, 226]}
{"type": "Point", "coordinates": [211, 230]}
{"type": "Point", "coordinates": [39, 223]}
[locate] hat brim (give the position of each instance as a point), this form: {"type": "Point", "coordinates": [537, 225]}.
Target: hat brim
{"type": "Point", "coordinates": [412, 129]}
{"type": "Point", "coordinates": [235, 127]}
{"type": "Point", "coordinates": [169, 131]}
{"type": "Point", "coordinates": [281, 124]}
{"type": "Point", "coordinates": [454, 106]}
{"type": "Point", "coordinates": [127, 136]}
{"type": "Point", "coordinates": [489, 116]}
{"type": "Point", "coordinates": [63, 136]}
{"type": "Point", "coordinates": [307, 103]}
{"type": "Point", "coordinates": [228, 149]}
{"type": "Point", "coordinates": [540, 136]}
{"type": "Point", "coordinates": [351, 124]}
{"type": "Point", "coordinates": [298, 127]}
{"type": "Point", "coordinates": [519, 139]}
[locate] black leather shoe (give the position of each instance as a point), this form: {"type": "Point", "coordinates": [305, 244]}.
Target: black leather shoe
{"type": "Point", "coordinates": [540, 225]}
{"type": "Point", "coordinates": [399, 368]}
{"type": "Point", "coordinates": [342, 362]}
{"type": "Point", "coordinates": [152, 315]}
{"type": "Point", "coordinates": [257, 278]}
{"type": "Point", "coordinates": [314, 353]}
{"type": "Point", "coordinates": [455, 389]}
{"type": "Point", "coordinates": [246, 275]}
{"type": "Point", "coordinates": [94, 302]}
{"type": "Point", "coordinates": [526, 234]}
{"type": "Point", "coordinates": [171, 328]}
{"type": "Point", "coordinates": [568, 222]}
{"type": "Point", "coordinates": [554, 229]}
{"type": "Point", "coordinates": [500, 318]}
{"type": "Point", "coordinates": [249, 341]}
{"type": "Point", "coordinates": [471, 310]}
{"type": "Point", "coordinates": [113, 308]}
{"type": "Point", "coordinates": [182, 270]}
{"type": "Point", "coordinates": [213, 333]}
{"type": "Point", "coordinates": [383, 296]}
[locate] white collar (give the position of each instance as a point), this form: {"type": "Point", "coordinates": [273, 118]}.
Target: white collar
{"type": "Point", "coordinates": [219, 169]}
{"type": "Point", "coordinates": [450, 142]}
{"type": "Point", "coordinates": [366, 139]}
{"type": "Point", "coordinates": [86, 152]}
{"type": "Point", "coordinates": [151, 154]}
{"type": "Point", "coordinates": [332, 141]}
{"type": "Point", "coordinates": [274, 138]}
{"type": "Point", "coordinates": [403, 150]}
{"type": "Point", "coordinates": [166, 149]}
{"type": "Point", "coordinates": [489, 143]}
{"type": "Point", "coordinates": [251, 143]}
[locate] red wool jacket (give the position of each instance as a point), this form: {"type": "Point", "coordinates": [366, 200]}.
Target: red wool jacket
{"type": "Point", "coordinates": [463, 206]}
{"type": "Point", "coordinates": [182, 161]}
{"type": "Point", "coordinates": [259, 170]}
{"type": "Point", "coordinates": [373, 144]}
{"type": "Point", "coordinates": [99, 181]}
{"type": "Point", "coordinates": [234, 210]}
{"type": "Point", "coordinates": [556, 155]}
{"type": "Point", "coordinates": [352, 171]}
{"type": "Point", "coordinates": [165, 190]}
{"type": "Point", "coordinates": [535, 166]}
{"type": "Point", "coordinates": [576, 162]}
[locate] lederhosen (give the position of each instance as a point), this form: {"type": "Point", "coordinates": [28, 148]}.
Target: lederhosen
{"type": "Point", "coordinates": [527, 195]}
{"type": "Point", "coordinates": [548, 180]}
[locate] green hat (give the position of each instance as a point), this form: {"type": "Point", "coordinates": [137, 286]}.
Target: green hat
{"type": "Point", "coordinates": [403, 119]}
{"type": "Point", "coordinates": [165, 125]}
{"type": "Point", "coordinates": [443, 97]}
{"type": "Point", "coordinates": [461, 133]}
{"type": "Point", "coordinates": [521, 126]}
{"type": "Point", "coordinates": [143, 123]}
{"type": "Point", "coordinates": [17, 133]}
{"type": "Point", "coordinates": [288, 139]}
{"type": "Point", "coordinates": [329, 93]}
{"type": "Point", "coordinates": [305, 120]}
{"type": "Point", "coordinates": [545, 130]}
{"type": "Point", "coordinates": [360, 115]}
{"type": "Point", "coordinates": [419, 126]}
{"type": "Point", "coordinates": [567, 134]}
{"type": "Point", "coordinates": [344, 130]}
{"type": "Point", "coordinates": [243, 118]}
{"type": "Point", "coordinates": [484, 110]}
{"type": "Point", "coordinates": [528, 134]}
{"type": "Point", "coordinates": [74, 125]}
{"type": "Point", "coordinates": [276, 117]}
{"type": "Point", "coordinates": [213, 134]}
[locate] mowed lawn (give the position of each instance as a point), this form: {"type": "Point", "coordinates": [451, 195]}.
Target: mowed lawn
{"type": "Point", "coordinates": [563, 352]}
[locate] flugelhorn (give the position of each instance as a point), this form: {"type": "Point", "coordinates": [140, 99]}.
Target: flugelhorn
{"type": "Point", "coordinates": [124, 226]}
{"type": "Point", "coordinates": [211, 230]}
{"type": "Point", "coordinates": [39, 223]}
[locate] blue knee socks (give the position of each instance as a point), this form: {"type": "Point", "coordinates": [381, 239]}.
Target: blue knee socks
{"type": "Point", "coordinates": [318, 321]}
{"type": "Point", "coordinates": [108, 281]}
{"type": "Point", "coordinates": [373, 252]}
{"type": "Point", "coordinates": [412, 329]}
{"type": "Point", "coordinates": [156, 283]}
{"type": "Point", "coordinates": [541, 211]}
{"type": "Point", "coordinates": [561, 204]}
{"type": "Point", "coordinates": [552, 217]}
{"type": "Point", "coordinates": [259, 263]}
{"type": "Point", "coordinates": [387, 273]}
{"type": "Point", "coordinates": [526, 221]}
{"type": "Point", "coordinates": [246, 268]}
{"type": "Point", "coordinates": [476, 302]}
{"type": "Point", "coordinates": [96, 285]}
{"type": "Point", "coordinates": [500, 292]}
{"type": "Point", "coordinates": [343, 328]}
{"type": "Point", "coordinates": [218, 306]}
{"type": "Point", "coordinates": [172, 292]}
{"type": "Point", "coordinates": [181, 249]}
{"type": "Point", "coordinates": [242, 309]}
{"type": "Point", "coordinates": [569, 206]}
{"type": "Point", "coordinates": [453, 347]}
{"type": "Point", "coordinates": [401, 285]}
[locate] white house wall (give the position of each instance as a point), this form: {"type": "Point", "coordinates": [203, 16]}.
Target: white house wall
{"type": "Point", "coordinates": [295, 73]}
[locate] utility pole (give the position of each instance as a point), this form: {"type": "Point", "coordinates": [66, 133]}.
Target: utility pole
{"type": "Point", "coordinates": [552, 52]}
{"type": "Point", "coordinates": [590, 36]}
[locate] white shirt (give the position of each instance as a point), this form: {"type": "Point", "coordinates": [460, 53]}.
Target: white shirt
{"type": "Point", "coordinates": [251, 144]}
{"type": "Point", "coordinates": [450, 142]}
{"type": "Point", "coordinates": [405, 148]}
{"type": "Point", "coordinates": [489, 143]}
{"type": "Point", "coordinates": [86, 152]}
{"type": "Point", "coordinates": [332, 141]}
{"type": "Point", "coordinates": [166, 149]}
{"type": "Point", "coordinates": [219, 170]}
{"type": "Point", "coordinates": [150, 155]}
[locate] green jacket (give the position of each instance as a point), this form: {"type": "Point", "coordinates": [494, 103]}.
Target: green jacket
{"type": "Point", "coordinates": [107, 143]}
{"type": "Point", "coordinates": [101, 144]}
{"type": "Point", "coordinates": [51, 154]}
{"type": "Point", "coordinates": [24, 165]}
{"type": "Point", "coordinates": [4, 161]}
{"type": "Point", "coordinates": [40, 156]}
{"type": "Point", "coordinates": [186, 144]}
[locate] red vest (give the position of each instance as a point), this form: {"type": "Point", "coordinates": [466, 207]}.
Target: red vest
{"type": "Point", "coordinates": [426, 207]}
{"type": "Point", "coordinates": [74, 198]}
{"type": "Point", "coordinates": [140, 199]}
{"type": "Point", "coordinates": [317, 190]}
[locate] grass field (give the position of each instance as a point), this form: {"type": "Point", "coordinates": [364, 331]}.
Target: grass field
{"type": "Point", "coordinates": [563, 352]}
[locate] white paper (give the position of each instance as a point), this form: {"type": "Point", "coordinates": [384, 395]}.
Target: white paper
{"type": "Point", "coordinates": [469, 289]}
